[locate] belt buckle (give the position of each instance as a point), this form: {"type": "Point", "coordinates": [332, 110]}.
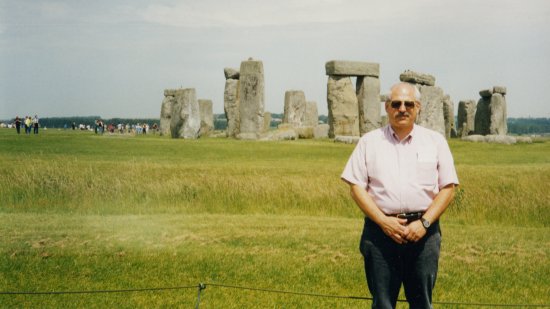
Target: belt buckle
{"type": "Point", "coordinates": [402, 216]}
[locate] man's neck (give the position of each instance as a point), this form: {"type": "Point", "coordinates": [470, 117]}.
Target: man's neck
{"type": "Point", "coordinates": [401, 132]}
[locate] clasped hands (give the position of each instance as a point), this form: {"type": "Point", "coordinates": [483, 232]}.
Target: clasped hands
{"type": "Point", "coordinates": [402, 232]}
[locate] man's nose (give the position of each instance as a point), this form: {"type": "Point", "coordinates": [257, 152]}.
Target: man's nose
{"type": "Point", "coordinates": [402, 107]}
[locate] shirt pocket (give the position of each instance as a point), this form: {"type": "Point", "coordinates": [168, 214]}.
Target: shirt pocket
{"type": "Point", "coordinates": [426, 168]}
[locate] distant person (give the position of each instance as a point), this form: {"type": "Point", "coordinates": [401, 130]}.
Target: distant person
{"type": "Point", "coordinates": [35, 124]}
{"type": "Point", "coordinates": [402, 177]}
{"type": "Point", "coordinates": [28, 123]}
{"type": "Point", "coordinates": [96, 125]}
{"type": "Point", "coordinates": [18, 124]}
{"type": "Point", "coordinates": [155, 128]}
{"type": "Point", "coordinates": [65, 127]}
{"type": "Point", "coordinates": [73, 126]}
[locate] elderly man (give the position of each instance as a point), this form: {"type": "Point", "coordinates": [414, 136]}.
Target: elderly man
{"type": "Point", "coordinates": [402, 177]}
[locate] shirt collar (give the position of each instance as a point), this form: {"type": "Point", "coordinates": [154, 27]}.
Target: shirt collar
{"type": "Point", "coordinates": [407, 138]}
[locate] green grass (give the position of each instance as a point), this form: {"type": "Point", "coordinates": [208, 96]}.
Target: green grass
{"type": "Point", "coordinates": [83, 212]}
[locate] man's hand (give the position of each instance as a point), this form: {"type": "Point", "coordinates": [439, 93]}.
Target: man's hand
{"type": "Point", "coordinates": [415, 231]}
{"type": "Point", "coordinates": [395, 228]}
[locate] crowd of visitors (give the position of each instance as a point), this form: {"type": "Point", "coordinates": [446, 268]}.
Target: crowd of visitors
{"type": "Point", "coordinates": [29, 124]}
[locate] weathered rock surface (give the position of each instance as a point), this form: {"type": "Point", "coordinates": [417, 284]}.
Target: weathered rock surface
{"type": "Point", "coordinates": [496, 139]}
{"type": "Point", "coordinates": [295, 107]}
{"type": "Point", "coordinates": [497, 107]}
{"type": "Point", "coordinates": [166, 111]}
{"type": "Point", "coordinates": [231, 106]}
{"type": "Point", "coordinates": [417, 78]}
{"type": "Point", "coordinates": [486, 93]}
{"type": "Point", "coordinates": [207, 117]}
{"type": "Point", "coordinates": [449, 117]}
{"type": "Point", "coordinates": [466, 117]}
{"type": "Point", "coordinates": [185, 120]}
{"type": "Point", "coordinates": [431, 113]}
{"type": "Point", "coordinates": [267, 121]}
{"type": "Point", "coordinates": [305, 132]}
{"type": "Point", "coordinates": [483, 116]}
{"type": "Point", "coordinates": [499, 89]}
{"type": "Point", "coordinates": [231, 73]}
{"type": "Point", "coordinates": [352, 68]}
{"type": "Point", "coordinates": [368, 100]}
{"type": "Point", "coordinates": [343, 111]}
{"type": "Point", "coordinates": [311, 116]}
{"type": "Point", "coordinates": [524, 139]}
{"type": "Point", "coordinates": [321, 131]}
{"type": "Point", "coordinates": [251, 99]}
{"type": "Point", "coordinates": [346, 139]}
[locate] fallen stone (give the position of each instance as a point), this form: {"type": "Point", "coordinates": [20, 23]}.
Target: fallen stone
{"type": "Point", "coordinates": [346, 139]}
{"type": "Point", "coordinates": [321, 131]}
{"type": "Point", "coordinates": [524, 139]}
{"type": "Point", "coordinates": [352, 68]}
{"type": "Point", "coordinates": [474, 138]}
{"type": "Point", "coordinates": [499, 89]}
{"type": "Point", "coordinates": [251, 98]}
{"type": "Point", "coordinates": [304, 132]}
{"type": "Point", "coordinates": [417, 78]}
{"type": "Point", "coordinates": [368, 100]}
{"type": "Point", "coordinates": [500, 139]}
{"type": "Point", "coordinates": [343, 111]}
{"type": "Point", "coordinates": [486, 93]}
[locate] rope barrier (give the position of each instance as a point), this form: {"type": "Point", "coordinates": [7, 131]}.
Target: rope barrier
{"type": "Point", "coordinates": [202, 286]}
{"type": "Point", "coordinates": [97, 291]}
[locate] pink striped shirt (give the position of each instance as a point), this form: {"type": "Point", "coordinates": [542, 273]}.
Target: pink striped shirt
{"type": "Point", "coordinates": [401, 176]}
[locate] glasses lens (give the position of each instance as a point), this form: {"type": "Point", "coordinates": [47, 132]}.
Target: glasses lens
{"type": "Point", "coordinates": [409, 104]}
{"type": "Point", "coordinates": [397, 104]}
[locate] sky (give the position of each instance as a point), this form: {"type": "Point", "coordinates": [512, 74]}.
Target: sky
{"type": "Point", "coordinates": [114, 58]}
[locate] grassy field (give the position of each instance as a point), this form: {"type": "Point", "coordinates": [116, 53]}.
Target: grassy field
{"type": "Point", "coordinates": [83, 212]}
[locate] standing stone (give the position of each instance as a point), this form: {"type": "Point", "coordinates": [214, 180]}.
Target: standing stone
{"type": "Point", "coordinates": [368, 98]}
{"type": "Point", "coordinates": [431, 113]}
{"type": "Point", "coordinates": [166, 111]}
{"type": "Point", "coordinates": [483, 116]}
{"type": "Point", "coordinates": [311, 116]}
{"type": "Point", "coordinates": [185, 120]}
{"type": "Point", "coordinates": [497, 107]}
{"type": "Point", "coordinates": [466, 117]}
{"type": "Point", "coordinates": [295, 108]}
{"type": "Point", "coordinates": [449, 117]}
{"type": "Point", "coordinates": [207, 117]}
{"type": "Point", "coordinates": [251, 99]}
{"type": "Point", "coordinates": [343, 111]}
{"type": "Point", "coordinates": [231, 106]}
{"type": "Point", "coordinates": [267, 121]}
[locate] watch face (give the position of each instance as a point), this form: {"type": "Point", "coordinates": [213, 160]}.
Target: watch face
{"type": "Point", "coordinates": [426, 223]}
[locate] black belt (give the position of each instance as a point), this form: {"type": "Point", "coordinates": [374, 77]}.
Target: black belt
{"type": "Point", "coordinates": [410, 216]}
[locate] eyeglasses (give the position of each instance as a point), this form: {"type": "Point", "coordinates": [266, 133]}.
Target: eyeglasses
{"type": "Point", "coordinates": [397, 104]}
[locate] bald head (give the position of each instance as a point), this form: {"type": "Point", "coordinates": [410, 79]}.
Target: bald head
{"type": "Point", "coordinates": [404, 92]}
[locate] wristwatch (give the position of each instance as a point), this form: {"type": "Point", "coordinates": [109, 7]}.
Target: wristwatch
{"type": "Point", "coordinates": [425, 223]}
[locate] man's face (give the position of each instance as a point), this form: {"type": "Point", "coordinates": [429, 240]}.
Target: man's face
{"type": "Point", "coordinates": [403, 107]}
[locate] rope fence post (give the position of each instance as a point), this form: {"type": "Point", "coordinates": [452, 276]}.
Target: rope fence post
{"type": "Point", "coordinates": [201, 287]}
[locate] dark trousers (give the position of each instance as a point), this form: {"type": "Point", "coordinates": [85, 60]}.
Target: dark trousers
{"type": "Point", "coordinates": [389, 264]}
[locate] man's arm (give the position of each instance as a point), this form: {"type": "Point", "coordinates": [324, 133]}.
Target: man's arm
{"type": "Point", "coordinates": [392, 226]}
{"type": "Point", "coordinates": [440, 203]}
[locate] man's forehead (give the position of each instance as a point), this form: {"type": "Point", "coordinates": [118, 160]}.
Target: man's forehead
{"type": "Point", "coordinates": [403, 92]}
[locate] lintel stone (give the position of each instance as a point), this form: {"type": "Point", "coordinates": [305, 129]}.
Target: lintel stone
{"type": "Point", "coordinates": [486, 93]}
{"type": "Point", "coordinates": [352, 68]}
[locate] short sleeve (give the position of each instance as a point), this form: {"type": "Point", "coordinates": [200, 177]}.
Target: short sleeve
{"type": "Point", "coordinates": [446, 167]}
{"type": "Point", "coordinates": [355, 171]}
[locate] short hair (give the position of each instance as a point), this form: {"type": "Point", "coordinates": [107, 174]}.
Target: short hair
{"type": "Point", "coordinates": [417, 95]}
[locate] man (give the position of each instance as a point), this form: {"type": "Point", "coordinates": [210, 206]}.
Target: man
{"type": "Point", "coordinates": [402, 177]}
{"type": "Point", "coordinates": [35, 124]}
